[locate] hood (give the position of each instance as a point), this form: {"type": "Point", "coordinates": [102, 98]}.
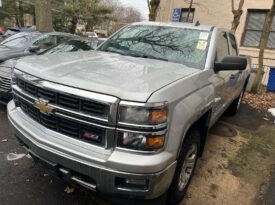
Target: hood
{"type": "Point", "coordinates": [125, 77]}
{"type": "Point", "coordinates": [7, 53]}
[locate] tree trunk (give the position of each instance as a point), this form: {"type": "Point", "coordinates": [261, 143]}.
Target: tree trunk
{"type": "Point", "coordinates": [237, 13]}
{"type": "Point", "coordinates": [73, 25]}
{"type": "Point", "coordinates": [153, 6]}
{"type": "Point", "coordinates": [263, 42]}
{"type": "Point", "coordinates": [43, 15]}
{"type": "Point", "coordinates": [21, 14]}
{"type": "Point", "coordinates": [189, 11]}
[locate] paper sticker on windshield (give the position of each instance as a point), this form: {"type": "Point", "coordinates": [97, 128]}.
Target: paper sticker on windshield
{"type": "Point", "coordinates": [202, 45]}
{"type": "Point", "coordinates": [204, 35]}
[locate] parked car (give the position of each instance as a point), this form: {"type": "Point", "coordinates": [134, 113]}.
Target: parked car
{"type": "Point", "coordinates": [24, 44]}
{"type": "Point", "coordinates": [91, 35]}
{"type": "Point", "coordinates": [76, 44]}
{"type": "Point", "coordinates": [12, 31]}
{"type": "Point", "coordinates": [131, 119]}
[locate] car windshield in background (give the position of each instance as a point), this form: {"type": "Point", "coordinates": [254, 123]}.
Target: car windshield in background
{"type": "Point", "coordinates": [20, 42]}
{"type": "Point", "coordinates": [179, 45]}
{"type": "Point", "coordinates": [72, 46]}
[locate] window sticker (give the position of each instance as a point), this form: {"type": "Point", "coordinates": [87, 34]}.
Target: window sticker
{"type": "Point", "coordinates": [204, 35]}
{"type": "Point", "coordinates": [201, 45]}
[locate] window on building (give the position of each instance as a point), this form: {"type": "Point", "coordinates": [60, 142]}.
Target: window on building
{"type": "Point", "coordinates": [184, 15]}
{"type": "Point", "coordinates": [254, 29]}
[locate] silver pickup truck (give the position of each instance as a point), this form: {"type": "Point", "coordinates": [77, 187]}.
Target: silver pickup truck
{"type": "Point", "coordinates": [131, 118]}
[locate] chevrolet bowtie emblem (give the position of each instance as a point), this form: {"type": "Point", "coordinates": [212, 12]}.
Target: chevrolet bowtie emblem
{"type": "Point", "coordinates": [43, 106]}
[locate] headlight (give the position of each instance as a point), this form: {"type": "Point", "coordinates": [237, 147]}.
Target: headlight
{"type": "Point", "coordinates": [141, 141]}
{"type": "Point", "coordinates": [143, 114]}
{"type": "Point", "coordinates": [142, 126]}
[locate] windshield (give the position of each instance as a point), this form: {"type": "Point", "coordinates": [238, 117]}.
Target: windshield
{"type": "Point", "coordinates": [179, 45]}
{"type": "Point", "coordinates": [20, 42]}
{"type": "Point", "coordinates": [71, 46]}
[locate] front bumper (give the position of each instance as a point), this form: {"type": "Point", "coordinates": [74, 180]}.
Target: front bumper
{"type": "Point", "coordinates": [105, 180]}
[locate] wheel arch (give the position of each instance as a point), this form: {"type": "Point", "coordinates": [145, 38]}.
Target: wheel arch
{"type": "Point", "coordinates": [202, 125]}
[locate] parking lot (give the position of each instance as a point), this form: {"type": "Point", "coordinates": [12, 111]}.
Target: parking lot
{"type": "Point", "coordinates": [21, 180]}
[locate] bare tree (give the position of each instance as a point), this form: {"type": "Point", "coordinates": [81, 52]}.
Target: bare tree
{"type": "Point", "coordinates": [43, 15]}
{"type": "Point", "coordinates": [153, 6]}
{"type": "Point", "coordinates": [237, 13]}
{"type": "Point", "coordinates": [124, 16]}
{"type": "Point", "coordinates": [263, 42]}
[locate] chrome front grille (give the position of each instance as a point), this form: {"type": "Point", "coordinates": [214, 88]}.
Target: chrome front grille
{"type": "Point", "coordinates": [68, 127]}
{"type": "Point", "coordinates": [74, 112]}
{"type": "Point", "coordinates": [5, 83]}
{"type": "Point", "coordinates": [66, 101]}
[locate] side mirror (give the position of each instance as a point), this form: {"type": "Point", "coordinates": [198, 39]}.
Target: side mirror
{"type": "Point", "coordinates": [34, 49]}
{"type": "Point", "coordinates": [231, 63]}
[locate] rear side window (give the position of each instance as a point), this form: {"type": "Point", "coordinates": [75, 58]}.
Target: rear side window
{"type": "Point", "coordinates": [222, 47]}
{"type": "Point", "coordinates": [233, 45]}
{"type": "Point", "coordinates": [46, 41]}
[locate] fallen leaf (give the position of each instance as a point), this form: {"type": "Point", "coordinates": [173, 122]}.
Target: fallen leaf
{"type": "Point", "coordinates": [68, 190]}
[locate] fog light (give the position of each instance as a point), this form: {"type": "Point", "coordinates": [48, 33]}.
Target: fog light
{"type": "Point", "coordinates": [136, 181]}
{"type": "Point", "coordinates": [132, 184]}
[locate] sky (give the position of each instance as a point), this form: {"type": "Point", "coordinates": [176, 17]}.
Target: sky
{"type": "Point", "coordinates": [140, 5]}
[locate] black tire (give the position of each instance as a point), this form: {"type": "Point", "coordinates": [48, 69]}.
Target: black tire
{"type": "Point", "coordinates": [175, 193]}
{"type": "Point", "coordinates": [235, 105]}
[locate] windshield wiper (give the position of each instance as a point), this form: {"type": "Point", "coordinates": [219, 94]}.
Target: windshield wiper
{"type": "Point", "coordinates": [114, 50]}
{"type": "Point", "coordinates": [153, 57]}
{"type": "Point", "coordinates": [139, 55]}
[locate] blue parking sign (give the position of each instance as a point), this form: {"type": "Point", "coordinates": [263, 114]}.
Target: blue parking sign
{"type": "Point", "coordinates": [176, 14]}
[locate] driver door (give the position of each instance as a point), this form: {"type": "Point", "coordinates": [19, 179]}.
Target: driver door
{"type": "Point", "coordinates": [221, 80]}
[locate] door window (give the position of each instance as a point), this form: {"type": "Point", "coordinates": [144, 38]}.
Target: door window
{"type": "Point", "coordinates": [45, 42]}
{"type": "Point", "coordinates": [233, 45]}
{"type": "Point", "coordinates": [222, 47]}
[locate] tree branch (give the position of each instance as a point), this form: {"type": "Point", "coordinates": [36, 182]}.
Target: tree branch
{"type": "Point", "coordinates": [241, 4]}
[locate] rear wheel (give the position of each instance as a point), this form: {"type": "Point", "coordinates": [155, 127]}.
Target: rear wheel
{"type": "Point", "coordinates": [185, 168]}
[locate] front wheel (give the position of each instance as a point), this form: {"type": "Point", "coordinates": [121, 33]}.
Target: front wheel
{"type": "Point", "coordinates": [185, 168]}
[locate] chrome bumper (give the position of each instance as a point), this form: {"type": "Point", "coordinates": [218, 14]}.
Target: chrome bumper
{"type": "Point", "coordinates": [102, 179]}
